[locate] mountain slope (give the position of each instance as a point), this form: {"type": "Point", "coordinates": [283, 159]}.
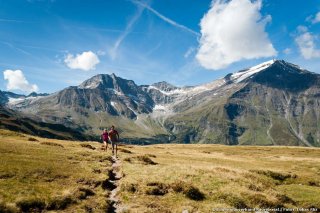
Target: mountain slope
{"type": "Point", "coordinates": [277, 105]}
{"type": "Point", "coordinates": [12, 120]}
{"type": "Point", "coordinates": [98, 103]}
{"type": "Point", "coordinates": [273, 103]}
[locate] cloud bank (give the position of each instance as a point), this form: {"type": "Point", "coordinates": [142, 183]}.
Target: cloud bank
{"type": "Point", "coordinates": [85, 61]}
{"type": "Point", "coordinates": [232, 31]}
{"type": "Point", "coordinates": [17, 81]}
{"type": "Point", "coordinates": [314, 19]}
{"type": "Point", "coordinates": [306, 44]}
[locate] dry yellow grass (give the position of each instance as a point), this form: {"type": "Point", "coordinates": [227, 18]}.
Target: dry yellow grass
{"type": "Point", "coordinates": [226, 176]}
{"type": "Point", "coordinates": [69, 176]}
{"type": "Point", "coordinates": [38, 174]}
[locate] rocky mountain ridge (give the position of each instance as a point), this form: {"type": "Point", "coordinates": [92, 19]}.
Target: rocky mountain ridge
{"type": "Point", "coordinates": [273, 103]}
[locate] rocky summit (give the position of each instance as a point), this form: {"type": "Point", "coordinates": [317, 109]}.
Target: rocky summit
{"type": "Point", "coordinates": [273, 103]}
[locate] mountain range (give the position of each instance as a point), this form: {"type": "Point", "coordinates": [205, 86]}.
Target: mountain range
{"type": "Point", "coordinates": [273, 103]}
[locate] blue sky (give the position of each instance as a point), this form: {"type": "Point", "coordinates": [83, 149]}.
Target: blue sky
{"type": "Point", "coordinates": [58, 43]}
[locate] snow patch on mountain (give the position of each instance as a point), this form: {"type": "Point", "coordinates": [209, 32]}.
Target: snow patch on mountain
{"type": "Point", "coordinates": [242, 75]}
{"type": "Point", "coordinates": [191, 90]}
{"type": "Point", "coordinates": [14, 101]}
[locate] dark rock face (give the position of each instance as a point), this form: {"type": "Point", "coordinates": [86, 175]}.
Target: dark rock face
{"type": "Point", "coordinates": [114, 95]}
{"type": "Point", "coordinates": [165, 86]}
{"type": "Point", "coordinates": [157, 96]}
{"type": "Point", "coordinates": [3, 98]}
{"type": "Point", "coordinates": [285, 76]}
{"type": "Point", "coordinates": [102, 93]}
{"type": "Point", "coordinates": [34, 94]}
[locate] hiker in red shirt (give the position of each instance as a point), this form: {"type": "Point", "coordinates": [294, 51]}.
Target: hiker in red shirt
{"type": "Point", "coordinates": [114, 138]}
{"type": "Point", "coordinates": [105, 138]}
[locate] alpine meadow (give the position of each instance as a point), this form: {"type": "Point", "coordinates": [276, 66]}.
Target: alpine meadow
{"type": "Point", "coordinates": [159, 106]}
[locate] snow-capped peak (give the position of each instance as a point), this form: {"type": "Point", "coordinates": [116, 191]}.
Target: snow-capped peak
{"type": "Point", "coordinates": [242, 75]}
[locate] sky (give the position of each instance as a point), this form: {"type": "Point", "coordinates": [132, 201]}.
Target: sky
{"type": "Point", "coordinates": [47, 45]}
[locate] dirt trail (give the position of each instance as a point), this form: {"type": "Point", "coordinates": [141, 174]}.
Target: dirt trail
{"type": "Point", "coordinates": [113, 184]}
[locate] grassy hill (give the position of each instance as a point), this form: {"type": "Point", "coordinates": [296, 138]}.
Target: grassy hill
{"type": "Point", "coordinates": [65, 176]}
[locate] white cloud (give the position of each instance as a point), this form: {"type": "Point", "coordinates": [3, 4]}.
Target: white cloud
{"type": "Point", "coordinates": [314, 19]}
{"type": "Point", "coordinates": [232, 31]}
{"type": "Point", "coordinates": [17, 81]}
{"type": "Point", "coordinates": [287, 51]}
{"type": "Point", "coordinates": [307, 46]}
{"type": "Point", "coordinates": [189, 52]}
{"type": "Point", "coordinates": [302, 29]}
{"type": "Point", "coordinates": [85, 61]}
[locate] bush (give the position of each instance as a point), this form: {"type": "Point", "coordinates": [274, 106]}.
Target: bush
{"type": "Point", "coordinates": [178, 186]}
{"type": "Point", "coordinates": [275, 175]}
{"type": "Point", "coordinates": [31, 205]}
{"type": "Point", "coordinates": [52, 144]}
{"type": "Point", "coordinates": [146, 160]}
{"type": "Point", "coordinates": [125, 150]}
{"type": "Point", "coordinates": [234, 201]}
{"type": "Point", "coordinates": [131, 188]}
{"type": "Point", "coordinates": [83, 193]}
{"type": "Point", "coordinates": [60, 203]}
{"type": "Point", "coordinates": [260, 200]}
{"type": "Point", "coordinates": [193, 193]}
{"type": "Point", "coordinates": [188, 190]}
{"type": "Point", "coordinates": [4, 208]}
{"type": "Point", "coordinates": [33, 139]}
{"type": "Point", "coordinates": [88, 146]}
{"type": "Point", "coordinates": [157, 188]}
{"type": "Point", "coordinates": [128, 160]}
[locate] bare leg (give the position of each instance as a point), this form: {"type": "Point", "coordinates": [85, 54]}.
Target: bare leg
{"type": "Point", "coordinates": [112, 147]}
{"type": "Point", "coordinates": [105, 145]}
{"type": "Point", "coordinates": [116, 149]}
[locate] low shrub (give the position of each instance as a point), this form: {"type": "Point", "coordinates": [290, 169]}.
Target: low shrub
{"type": "Point", "coordinates": [83, 193]}
{"type": "Point", "coordinates": [88, 146]}
{"type": "Point", "coordinates": [275, 175]}
{"type": "Point", "coordinates": [131, 188]}
{"type": "Point", "coordinates": [193, 193]}
{"type": "Point", "coordinates": [60, 203]}
{"type": "Point", "coordinates": [5, 208]}
{"type": "Point", "coordinates": [31, 205]}
{"type": "Point", "coordinates": [188, 190]}
{"type": "Point", "coordinates": [125, 151]}
{"type": "Point", "coordinates": [33, 139]}
{"type": "Point", "coordinates": [156, 188]}
{"type": "Point", "coordinates": [146, 160]}
{"type": "Point", "coordinates": [233, 201]}
{"type": "Point", "coordinates": [52, 144]}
